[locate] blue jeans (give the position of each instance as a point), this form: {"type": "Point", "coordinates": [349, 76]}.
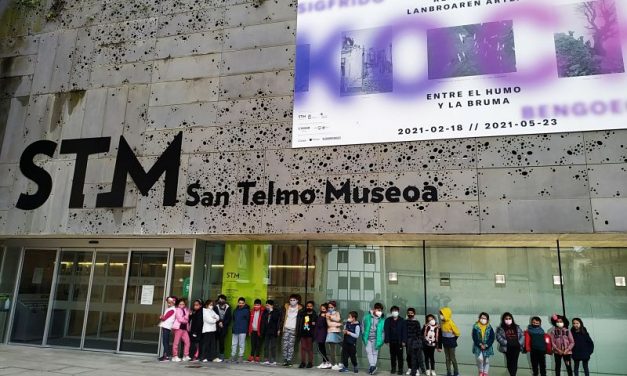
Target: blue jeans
{"type": "Point", "coordinates": [165, 340]}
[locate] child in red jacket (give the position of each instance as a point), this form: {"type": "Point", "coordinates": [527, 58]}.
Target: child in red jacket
{"type": "Point", "coordinates": [254, 331]}
{"type": "Point", "coordinates": [537, 344]}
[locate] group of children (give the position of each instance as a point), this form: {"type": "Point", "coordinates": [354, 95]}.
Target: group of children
{"type": "Point", "coordinates": [203, 330]}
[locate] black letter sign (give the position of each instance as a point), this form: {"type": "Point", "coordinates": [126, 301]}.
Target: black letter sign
{"type": "Point", "coordinates": [37, 174]}
{"type": "Point", "coordinates": [127, 164]}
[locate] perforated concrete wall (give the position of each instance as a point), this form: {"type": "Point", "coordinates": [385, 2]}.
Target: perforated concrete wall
{"type": "Point", "coordinates": [221, 71]}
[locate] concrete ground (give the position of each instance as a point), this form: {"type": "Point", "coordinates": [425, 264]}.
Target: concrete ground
{"type": "Point", "coordinates": [21, 360]}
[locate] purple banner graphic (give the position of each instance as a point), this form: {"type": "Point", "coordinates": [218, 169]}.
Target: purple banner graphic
{"type": "Point", "coordinates": [379, 71]}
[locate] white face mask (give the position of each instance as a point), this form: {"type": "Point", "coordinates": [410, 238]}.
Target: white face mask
{"type": "Point", "coordinates": [560, 324]}
{"type": "Point", "coordinates": [432, 322]}
{"type": "Point", "coordinates": [508, 322]}
{"type": "Point", "coordinates": [293, 302]}
{"type": "Point", "coordinates": [378, 313]}
{"type": "Point", "coordinates": [395, 314]}
{"type": "Point", "coordinates": [441, 317]}
{"type": "Point", "coordinates": [483, 321]}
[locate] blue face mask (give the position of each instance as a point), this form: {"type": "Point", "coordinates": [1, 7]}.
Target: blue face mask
{"type": "Point", "coordinates": [331, 310]}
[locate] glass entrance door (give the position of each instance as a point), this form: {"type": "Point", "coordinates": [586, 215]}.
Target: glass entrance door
{"type": "Point", "coordinates": [144, 301]}
{"type": "Point", "coordinates": [68, 308]}
{"type": "Point", "coordinates": [31, 306]}
{"type": "Point", "coordinates": [105, 302]}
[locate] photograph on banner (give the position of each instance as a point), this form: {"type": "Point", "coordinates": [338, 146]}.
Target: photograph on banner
{"type": "Point", "coordinates": [377, 71]}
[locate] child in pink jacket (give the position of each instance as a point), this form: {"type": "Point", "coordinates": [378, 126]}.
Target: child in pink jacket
{"type": "Point", "coordinates": [180, 329]}
{"type": "Point", "coordinates": [562, 343]}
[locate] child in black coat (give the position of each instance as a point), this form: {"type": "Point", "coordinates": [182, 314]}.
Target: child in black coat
{"type": "Point", "coordinates": [584, 346]}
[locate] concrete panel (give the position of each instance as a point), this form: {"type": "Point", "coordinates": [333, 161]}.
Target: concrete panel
{"type": "Point", "coordinates": [257, 36]}
{"type": "Point", "coordinates": [254, 14]}
{"type": "Point", "coordinates": [338, 219]}
{"type": "Point", "coordinates": [180, 92]}
{"type": "Point", "coordinates": [606, 147]}
{"type": "Point", "coordinates": [277, 83]}
{"type": "Point", "coordinates": [189, 44]}
{"type": "Point", "coordinates": [608, 181]}
{"type": "Point", "coordinates": [254, 111]}
{"type": "Point", "coordinates": [530, 183]}
{"type": "Point", "coordinates": [609, 214]}
{"type": "Point", "coordinates": [182, 115]}
{"type": "Point", "coordinates": [426, 155]}
{"type": "Point", "coordinates": [533, 150]}
{"type": "Point", "coordinates": [258, 60]}
{"type": "Point", "coordinates": [115, 75]}
{"type": "Point", "coordinates": [536, 216]}
{"type": "Point", "coordinates": [15, 86]}
{"type": "Point", "coordinates": [191, 22]}
{"type": "Point", "coordinates": [186, 68]}
{"type": "Point", "coordinates": [17, 66]}
{"type": "Point", "coordinates": [459, 217]}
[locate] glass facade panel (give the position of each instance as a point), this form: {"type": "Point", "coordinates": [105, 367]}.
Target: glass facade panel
{"type": "Point", "coordinates": [9, 265]}
{"type": "Point", "coordinates": [31, 306]}
{"type": "Point", "coordinates": [181, 269]}
{"type": "Point", "coordinates": [591, 293]}
{"type": "Point", "coordinates": [464, 279]}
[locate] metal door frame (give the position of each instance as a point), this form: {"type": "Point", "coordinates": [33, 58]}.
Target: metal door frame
{"type": "Point", "coordinates": [169, 251]}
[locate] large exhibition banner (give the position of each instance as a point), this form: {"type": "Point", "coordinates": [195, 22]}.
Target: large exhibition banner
{"type": "Point", "coordinates": [372, 71]}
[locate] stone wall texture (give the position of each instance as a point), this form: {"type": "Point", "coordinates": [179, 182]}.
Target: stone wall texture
{"type": "Point", "coordinates": [221, 71]}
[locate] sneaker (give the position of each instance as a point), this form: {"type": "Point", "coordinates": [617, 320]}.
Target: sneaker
{"type": "Point", "coordinates": [273, 364]}
{"type": "Point", "coordinates": [266, 363]}
{"type": "Point", "coordinates": [309, 365]}
{"type": "Point", "coordinates": [257, 359]}
{"type": "Point", "coordinates": [400, 372]}
{"type": "Point", "coordinates": [186, 358]}
{"type": "Point", "coordinates": [344, 369]}
{"type": "Point", "coordinates": [337, 367]}
{"type": "Point", "coordinates": [408, 372]}
{"type": "Point", "coordinates": [176, 359]}
{"type": "Point", "coordinates": [287, 364]}
{"type": "Point", "coordinates": [217, 360]}
{"type": "Point", "coordinates": [302, 365]}
{"type": "Point", "coordinates": [204, 360]}
{"type": "Point", "coordinates": [371, 370]}
{"type": "Point", "coordinates": [250, 359]}
{"type": "Point", "coordinates": [325, 365]}
{"type": "Point", "coordinates": [356, 370]}
{"type": "Point", "coordinates": [163, 359]}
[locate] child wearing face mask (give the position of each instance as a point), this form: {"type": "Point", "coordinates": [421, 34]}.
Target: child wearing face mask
{"type": "Point", "coordinates": [414, 344]}
{"type": "Point", "coordinates": [289, 320]}
{"type": "Point", "coordinates": [537, 344]}
{"type": "Point", "coordinates": [395, 335]}
{"type": "Point", "coordinates": [210, 333]}
{"type": "Point", "coordinates": [195, 330]}
{"type": "Point", "coordinates": [450, 333]}
{"type": "Point", "coordinates": [483, 339]}
{"type": "Point", "coordinates": [254, 331]}
{"type": "Point", "coordinates": [352, 330]}
{"type": "Point", "coordinates": [166, 323]}
{"type": "Point", "coordinates": [431, 336]}
{"type": "Point", "coordinates": [304, 332]}
{"type": "Point", "coordinates": [334, 334]}
{"type": "Point", "coordinates": [270, 329]}
{"type": "Point", "coordinates": [223, 310]}
{"type": "Point", "coordinates": [584, 346]}
{"type": "Point", "coordinates": [180, 329]}
{"type": "Point", "coordinates": [562, 343]}
{"type": "Point", "coordinates": [511, 341]}
{"type": "Point", "coordinates": [320, 336]}
{"type": "Point", "coordinates": [372, 336]}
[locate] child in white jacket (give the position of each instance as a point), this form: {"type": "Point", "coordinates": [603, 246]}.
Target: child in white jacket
{"type": "Point", "coordinates": [210, 319]}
